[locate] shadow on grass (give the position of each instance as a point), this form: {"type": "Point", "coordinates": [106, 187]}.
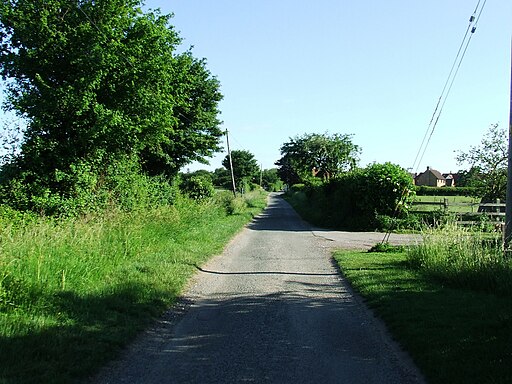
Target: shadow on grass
{"type": "Point", "coordinates": [91, 331]}
{"type": "Point", "coordinates": [454, 335]}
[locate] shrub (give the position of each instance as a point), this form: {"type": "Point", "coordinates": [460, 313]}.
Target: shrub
{"type": "Point", "coordinates": [391, 223]}
{"type": "Point", "coordinates": [386, 248]}
{"type": "Point", "coordinates": [385, 189]}
{"type": "Point", "coordinates": [197, 187]}
{"type": "Point", "coordinates": [88, 187]}
{"type": "Point", "coordinates": [362, 196]}
{"type": "Point", "coordinates": [447, 191]}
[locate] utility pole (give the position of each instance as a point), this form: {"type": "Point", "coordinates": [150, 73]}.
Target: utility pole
{"type": "Point", "coordinates": [508, 210]}
{"type": "Point", "coordinates": [231, 164]}
{"type": "Point", "coordinates": [261, 175]}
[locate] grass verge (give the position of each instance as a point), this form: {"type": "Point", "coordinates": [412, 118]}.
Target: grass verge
{"type": "Point", "coordinates": [455, 335]}
{"type": "Point", "coordinates": [73, 293]}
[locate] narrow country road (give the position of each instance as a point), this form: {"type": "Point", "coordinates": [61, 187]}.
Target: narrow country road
{"type": "Point", "coordinates": [271, 309]}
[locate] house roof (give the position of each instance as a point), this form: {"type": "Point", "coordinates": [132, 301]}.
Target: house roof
{"type": "Point", "coordinates": [436, 174]}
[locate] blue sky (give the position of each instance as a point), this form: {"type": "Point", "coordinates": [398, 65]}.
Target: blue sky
{"type": "Point", "coordinates": [371, 68]}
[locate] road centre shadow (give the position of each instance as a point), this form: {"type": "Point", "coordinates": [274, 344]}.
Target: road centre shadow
{"type": "Point", "coordinates": [262, 272]}
{"type": "Point", "coordinates": [279, 216]}
{"type": "Point", "coordinates": [260, 338]}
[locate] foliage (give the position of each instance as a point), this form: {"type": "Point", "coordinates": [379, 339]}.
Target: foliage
{"type": "Point", "coordinates": [197, 187]}
{"type": "Point", "coordinates": [74, 292]}
{"type": "Point", "coordinates": [471, 178]}
{"type": "Point", "coordinates": [488, 162]}
{"type": "Point", "coordinates": [356, 199]}
{"type": "Point", "coordinates": [407, 222]}
{"type": "Point", "coordinates": [271, 181]}
{"type": "Point", "coordinates": [316, 155]}
{"type": "Point", "coordinates": [121, 186]}
{"type": "Point", "coordinates": [424, 190]}
{"type": "Point", "coordinates": [245, 167]}
{"type": "Point", "coordinates": [221, 178]}
{"type": "Point", "coordinates": [384, 189]}
{"type": "Point", "coordinates": [99, 82]}
{"type": "Point", "coordinates": [386, 247]}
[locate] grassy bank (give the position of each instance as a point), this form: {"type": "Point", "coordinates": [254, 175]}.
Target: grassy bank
{"type": "Point", "coordinates": [455, 332]}
{"type": "Point", "coordinates": [73, 293]}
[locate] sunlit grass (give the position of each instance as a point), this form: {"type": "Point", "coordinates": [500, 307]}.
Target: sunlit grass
{"type": "Point", "coordinates": [73, 292]}
{"type": "Point", "coordinates": [447, 301]}
{"type": "Point", "coordinates": [463, 258]}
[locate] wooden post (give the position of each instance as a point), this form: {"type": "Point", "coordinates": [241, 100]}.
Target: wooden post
{"type": "Point", "coordinates": [231, 165]}
{"type": "Point", "coordinates": [508, 209]}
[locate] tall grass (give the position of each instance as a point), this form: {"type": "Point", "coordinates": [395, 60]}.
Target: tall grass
{"type": "Point", "coordinates": [454, 335]}
{"type": "Point", "coordinates": [464, 258]}
{"type": "Point", "coordinates": [74, 291]}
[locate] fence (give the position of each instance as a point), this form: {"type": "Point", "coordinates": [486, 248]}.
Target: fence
{"type": "Point", "coordinates": [465, 212]}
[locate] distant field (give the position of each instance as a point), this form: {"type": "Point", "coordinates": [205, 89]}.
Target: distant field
{"type": "Point", "coordinates": [456, 204]}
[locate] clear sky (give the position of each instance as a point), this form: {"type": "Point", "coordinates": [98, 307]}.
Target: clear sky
{"type": "Point", "coordinates": [371, 68]}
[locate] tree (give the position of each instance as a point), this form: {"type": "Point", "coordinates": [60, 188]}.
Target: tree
{"type": "Point", "coordinates": [197, 186]}
{"type": "Point", "coordinates": [245, 166]}
{"type": "Point", "coordinates": [98, 82]}
{"type": "Point", "coordinates": [489, 161]}
{"type": "Point", "coordinates": [316, 155]}
{"type": "Point", "coordinates": [270, 180]}
{"type": "Point", "coordinates": [470, 178]}
{"type": "Point", "coordinates": [221, 178]}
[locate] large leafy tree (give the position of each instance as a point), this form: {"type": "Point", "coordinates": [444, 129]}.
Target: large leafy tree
{"type": "Point", "coordinates": [488, 162]}
{"type": "Point", "coordinates": [98, 81]}
{"type": "Point", "coordinates": [245, 166]}
{"type": "Point", "coordinates": [270, 180]}
{"type": "Point", "coordinates": [316, 155]}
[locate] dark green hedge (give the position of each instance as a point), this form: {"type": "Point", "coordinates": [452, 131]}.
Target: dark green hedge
{"type": "Point", "coordinates": [447, 191]}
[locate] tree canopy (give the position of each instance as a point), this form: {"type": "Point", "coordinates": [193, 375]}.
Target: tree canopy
{"type": "Point", "coordinates": [245, 166]}
{"type": "Point", "coordinates": [316, 155]}
{"type": "Point", "coordinates": [98, 81]}
{"type": "Point", "coordinates": [488, 162]}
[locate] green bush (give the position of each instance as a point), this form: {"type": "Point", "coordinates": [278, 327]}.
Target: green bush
{"type": "Point", "coordinates": [407, 222]}
{"type": "Point", "coordinates": [385, 189]}
{"type": "Point", "coordinates": [197, 187]}
{"type": "Point", "coordinates": [355, 200]}
{"type": "Point", "coordinates": [297, 187]}
{"type": "Point", "coordinates": [87, 187]}
{"type": "Point", "coordinates": [386, 247]}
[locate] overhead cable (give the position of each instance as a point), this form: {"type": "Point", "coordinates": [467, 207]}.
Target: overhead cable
{"type": "Point", "coordinates": [461, 53]}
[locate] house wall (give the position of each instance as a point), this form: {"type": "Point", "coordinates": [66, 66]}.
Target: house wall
{"type": "Point", "coordinates": [429, 179]}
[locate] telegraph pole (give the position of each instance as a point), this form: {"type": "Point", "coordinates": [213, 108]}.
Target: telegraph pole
{"type": "Point", "coordinates": [231, 164]}
{"type": "Point", "coordinates": [508, 210]}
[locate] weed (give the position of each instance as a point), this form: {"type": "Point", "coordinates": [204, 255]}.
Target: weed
{"type": "Point", "coordinates": [464, 258]}
{"type": "Point", "coordinates": [386, 248]}
{"type": "Point", "coordinates": [74, 291]}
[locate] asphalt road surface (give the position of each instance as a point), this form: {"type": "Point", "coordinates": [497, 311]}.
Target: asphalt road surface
{"type": "Point", "coordinates": [272, 308]}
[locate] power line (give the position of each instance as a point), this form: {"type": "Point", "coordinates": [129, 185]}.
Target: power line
{"type": "Point", "coordinates": [461, 53]}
